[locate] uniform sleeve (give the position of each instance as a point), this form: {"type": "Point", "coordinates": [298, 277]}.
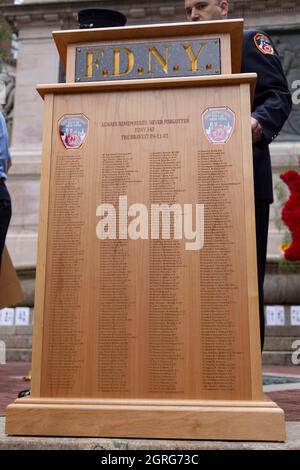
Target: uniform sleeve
{"type": "Point", "coordinates": [2, 139]}
{"type": "Point", "coordinates": [272, 102]}
{"type": "Point", "coordinates": [4, 150]}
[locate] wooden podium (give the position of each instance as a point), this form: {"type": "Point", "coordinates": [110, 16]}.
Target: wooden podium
{"type": "Point", "coordinates": [146, 320]}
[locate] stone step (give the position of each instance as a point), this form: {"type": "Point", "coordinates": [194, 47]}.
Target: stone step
{"type": "Point", "coordinates": [279, 343]}
{"type": "Point", "coordinates": [15, 330]}
{"type": "Point", "coordinates": [24, 330]}
{"type": "Point", "coordinates": [17, 342]}
{"type": "Point", "coordinates": [277, 358]}
{"type": "Point", "coordinates": [287, 330]}
{"type": "Point", "coordinates": [282, 289]}
{"type": "Point", "coordinates": [18, 355]}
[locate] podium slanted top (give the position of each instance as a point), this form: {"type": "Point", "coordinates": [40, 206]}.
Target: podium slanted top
{"type": "Point", "coordinates": [230, 33]}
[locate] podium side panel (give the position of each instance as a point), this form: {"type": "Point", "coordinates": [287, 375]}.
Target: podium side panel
{"type": "Point", "coordinates": [256, 367]}
{"type": "Point", "coordinates": [40, 289]}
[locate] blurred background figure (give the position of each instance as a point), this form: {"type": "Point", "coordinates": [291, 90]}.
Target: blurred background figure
{"type": "Point", "coordinates": [5, 202]}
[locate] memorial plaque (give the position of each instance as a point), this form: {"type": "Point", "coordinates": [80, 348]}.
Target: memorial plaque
{"type": "Point", "coordinates": [155, 313]}
{"type": "Point", "coordinates": [155, 59]}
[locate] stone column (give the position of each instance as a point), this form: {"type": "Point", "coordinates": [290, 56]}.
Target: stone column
{"type": "Point", "coordinates": [38, 62]}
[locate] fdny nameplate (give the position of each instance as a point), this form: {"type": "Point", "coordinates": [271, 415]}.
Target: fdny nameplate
{"type": "Point", "coordinates": [156, 59]}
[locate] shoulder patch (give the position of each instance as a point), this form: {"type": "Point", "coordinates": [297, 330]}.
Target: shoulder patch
{"type": "Point", "coordinates": [264, 44]}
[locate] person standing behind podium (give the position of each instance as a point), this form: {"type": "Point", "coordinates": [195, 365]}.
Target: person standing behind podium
{"type": "Point", "coordinates": [271, 107]}
{"type": "Point", "coordinates": [5, 203]}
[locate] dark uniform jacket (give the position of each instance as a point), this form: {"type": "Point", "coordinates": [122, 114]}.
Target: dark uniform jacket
{"type": "Point", "coordinates": [271, 106]}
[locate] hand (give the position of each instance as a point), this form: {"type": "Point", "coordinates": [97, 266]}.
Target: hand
{"type": "Point", "coordinates": [9, 164]}
{"type": "Point", "coordinates": [256, 130]}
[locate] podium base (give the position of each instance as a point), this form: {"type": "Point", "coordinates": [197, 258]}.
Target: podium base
{"type": "Point", "coordinates": [156, 419]}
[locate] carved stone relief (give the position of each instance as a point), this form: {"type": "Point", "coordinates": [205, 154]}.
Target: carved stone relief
{"type": "Point", "coordinates": [288, 47]}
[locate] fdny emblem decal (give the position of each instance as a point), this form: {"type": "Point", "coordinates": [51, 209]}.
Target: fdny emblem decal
{"type": "Point", "coordinates": [264, 44]}
{"type": "Point", "coordinates": [73, 130]}
{"type": "Point", "coordinates": [218, 124]}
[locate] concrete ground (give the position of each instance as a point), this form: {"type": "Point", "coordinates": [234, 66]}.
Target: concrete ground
{"type": "Point", "coordinates": [284, 390]}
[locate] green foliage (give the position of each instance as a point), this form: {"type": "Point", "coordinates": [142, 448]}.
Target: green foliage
{"type": "Point", "coordinates": [4, 35]}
